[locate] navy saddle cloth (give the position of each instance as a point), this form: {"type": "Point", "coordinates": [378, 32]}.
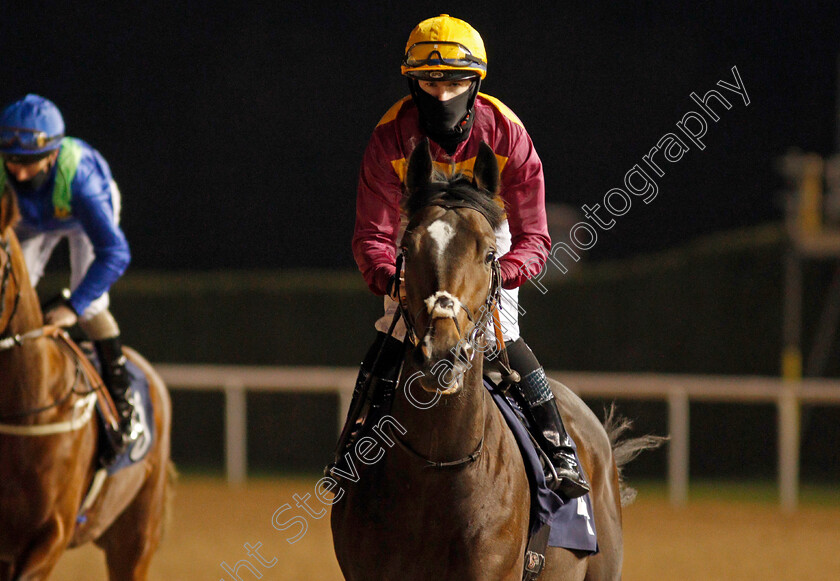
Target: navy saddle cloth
{"type": "Point", "coordinates": [143, 404]}
{"type": "Point", "coordinates": [572, 522]}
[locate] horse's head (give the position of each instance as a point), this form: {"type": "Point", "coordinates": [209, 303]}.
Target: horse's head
{"type": "Point", "coordinates": [450, 257]}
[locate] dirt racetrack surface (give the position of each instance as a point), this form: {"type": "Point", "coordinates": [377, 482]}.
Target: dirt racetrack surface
{"type": "Point", "coordinates": [706, 541]}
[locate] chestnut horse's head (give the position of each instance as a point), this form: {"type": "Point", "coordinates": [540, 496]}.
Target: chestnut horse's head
{"type": "Point", "coordinates": [449, 252]}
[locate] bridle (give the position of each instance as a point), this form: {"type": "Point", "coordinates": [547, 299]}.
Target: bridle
{"type": "Point", "coordinates": [491, 302]}
{"type": "Point", "coordinates": [7, 274]}
{"type": "Point", "coordinates": [480, 323]}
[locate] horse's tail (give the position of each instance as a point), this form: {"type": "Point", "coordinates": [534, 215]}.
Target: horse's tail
{"type": "Point", "coordinates": [624, 450]}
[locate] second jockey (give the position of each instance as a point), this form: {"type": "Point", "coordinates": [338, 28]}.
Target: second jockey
{"type": "Point", "coordinates": [65, 190]}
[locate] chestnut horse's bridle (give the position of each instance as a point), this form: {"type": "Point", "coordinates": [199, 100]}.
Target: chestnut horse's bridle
{"type": "Point", "coordinates": [7, 274]}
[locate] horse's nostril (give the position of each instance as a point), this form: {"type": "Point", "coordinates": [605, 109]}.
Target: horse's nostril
{"type": "Point", "coordinates": [444, 302]}
{"type": "Point", "coordinates": [442, 305]}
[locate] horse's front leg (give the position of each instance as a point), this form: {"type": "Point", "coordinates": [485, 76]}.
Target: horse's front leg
{"type": "Point", "coordinates": [40, 557]}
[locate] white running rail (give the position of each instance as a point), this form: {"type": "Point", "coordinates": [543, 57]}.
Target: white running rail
{"type": "Point", "coordinates": [676, 390]}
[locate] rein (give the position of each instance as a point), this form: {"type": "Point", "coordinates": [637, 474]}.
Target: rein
{"type": "Point", "coordinates": [468, 459]}
{"type": "Point", "coordinates": [18, 340]}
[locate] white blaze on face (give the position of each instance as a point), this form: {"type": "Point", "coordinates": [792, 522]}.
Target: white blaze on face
{"type": "Point", "coordinates": [442, 233]}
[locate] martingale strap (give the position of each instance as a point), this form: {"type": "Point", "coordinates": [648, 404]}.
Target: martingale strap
{"type": "Point", "coordinates": [106, 404]}
{"type": "Point", "coordinates": [82, 412]}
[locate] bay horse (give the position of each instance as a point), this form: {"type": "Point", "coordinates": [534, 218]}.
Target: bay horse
{"type": "Point", "coordinates": [49, 449]}
{"type": "Point", "coordinates": [452, 500]}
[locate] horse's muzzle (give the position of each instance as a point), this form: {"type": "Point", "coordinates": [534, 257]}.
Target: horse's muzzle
{"type": "Point", "coordinates": [442, 354]}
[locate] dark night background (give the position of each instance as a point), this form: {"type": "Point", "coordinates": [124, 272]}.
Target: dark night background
{"type": "Point", "coordinates": [235, 130]}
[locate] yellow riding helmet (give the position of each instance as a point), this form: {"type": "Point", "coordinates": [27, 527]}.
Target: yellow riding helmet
{"type": "Point", "coordinates": [444, 48]}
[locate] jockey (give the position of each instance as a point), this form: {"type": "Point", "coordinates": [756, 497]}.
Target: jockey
{"type": "Point", "coordinates": [444, 63]}
{"type": "Point", "coordinates": [65, 190]}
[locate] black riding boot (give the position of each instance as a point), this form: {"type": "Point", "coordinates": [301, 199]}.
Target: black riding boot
{"type": "Point", "coordinates": [372, 394]}
{"type": "Point", "coordinates": [548, 430]}
{"type": "Point", "coordinates": [115, 377]}
{"type": "Point", "coordinates": [558, 446]}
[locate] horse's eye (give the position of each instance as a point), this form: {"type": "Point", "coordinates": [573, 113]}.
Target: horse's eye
{"type": "Point", "coordinates": [491, 256]}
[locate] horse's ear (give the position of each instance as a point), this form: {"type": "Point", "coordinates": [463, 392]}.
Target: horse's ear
{"type": "Point", "coordinates": [419, 171]}
{"type": "Point", "coordinates": [486, 169]}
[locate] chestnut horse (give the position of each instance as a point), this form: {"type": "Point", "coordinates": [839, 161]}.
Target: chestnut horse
{"type": "Point", "coordinates": [451, 501]}
{"type": "Point", "coordinates": [48, 449]}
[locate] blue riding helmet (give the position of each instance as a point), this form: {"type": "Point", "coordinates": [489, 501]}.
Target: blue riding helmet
{"type": "Point", "coordinates": [31, 126]}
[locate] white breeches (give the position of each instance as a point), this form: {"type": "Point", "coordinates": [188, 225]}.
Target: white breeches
{"type": "Point", "coordinates": [38, 249]}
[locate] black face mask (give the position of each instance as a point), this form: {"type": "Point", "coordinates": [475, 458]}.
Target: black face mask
{"type": "Point", "coordinates": [31, 185]}
{"type": "Point", "coordinates": [448, 123]}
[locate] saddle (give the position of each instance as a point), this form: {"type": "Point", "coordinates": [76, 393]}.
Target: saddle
{"type": "Point", "coordinates": [88, 367]}
{"type": "Point", "coordinates": [108, 424]}
{"type": "Point", "coordinates": [553, 521]}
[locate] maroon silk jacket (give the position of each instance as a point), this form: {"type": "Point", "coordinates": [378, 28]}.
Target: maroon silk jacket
{"type": "Point", "coordinates": [383, 173]}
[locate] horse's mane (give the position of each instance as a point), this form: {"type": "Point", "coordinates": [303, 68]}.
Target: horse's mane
{"type": "Point", "coordinates": [455, 191]}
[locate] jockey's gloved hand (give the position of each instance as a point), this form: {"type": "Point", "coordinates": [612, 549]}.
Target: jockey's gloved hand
{"type": "Point", "coordinates": [61, 316]}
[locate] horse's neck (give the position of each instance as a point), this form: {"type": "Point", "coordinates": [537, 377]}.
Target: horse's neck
{"type": "Point", "coordinates": [29, 372]}
{"type": "Point", "coordinates": [453, 427]}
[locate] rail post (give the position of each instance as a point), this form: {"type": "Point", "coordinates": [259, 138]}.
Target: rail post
{"type": "Point", "coordinates": [788, 421]}
{"type": "Point", "coordinates": [236, 432]}
{"type": "Point", "coordinates": [678, 449]}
